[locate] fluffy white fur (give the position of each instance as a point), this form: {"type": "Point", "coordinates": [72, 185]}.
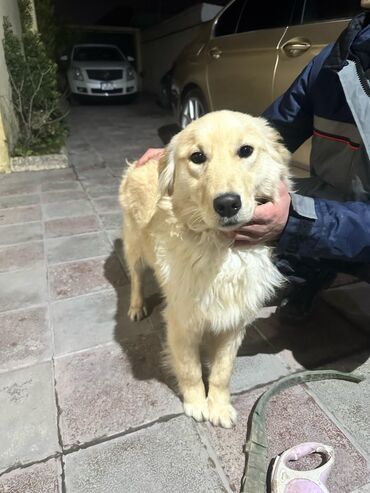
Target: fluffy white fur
{"type": "Point", "coordinates": [213, 289]}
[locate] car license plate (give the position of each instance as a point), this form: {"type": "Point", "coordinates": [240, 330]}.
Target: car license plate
{"type": "Point", "coordinates": [106, 86]}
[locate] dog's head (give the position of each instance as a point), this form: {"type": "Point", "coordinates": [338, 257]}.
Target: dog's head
{"type": "Point", "coordinates": [220, 167]}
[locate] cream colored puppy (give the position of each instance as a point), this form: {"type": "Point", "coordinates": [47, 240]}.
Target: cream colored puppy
{"type": "Point", "coordinates": [176, 213]}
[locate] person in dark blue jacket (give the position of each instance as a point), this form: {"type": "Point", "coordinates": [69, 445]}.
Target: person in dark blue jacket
{"type": "Point", "coordinates": [325, 228]}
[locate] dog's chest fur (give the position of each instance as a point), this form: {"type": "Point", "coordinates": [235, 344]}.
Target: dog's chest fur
{"type": "Point", "coordinates": [211, 284]}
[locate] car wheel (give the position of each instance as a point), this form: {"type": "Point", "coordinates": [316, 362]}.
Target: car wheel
{"type": "Point", "coordinates": [193, 107]}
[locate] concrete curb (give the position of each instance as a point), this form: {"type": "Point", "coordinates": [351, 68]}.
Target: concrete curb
{"type": "Point", "coordinates": [37, 163]}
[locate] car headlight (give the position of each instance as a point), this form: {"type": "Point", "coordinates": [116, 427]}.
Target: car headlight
{"type": "Point", "coordinates": [130, 74]}
{"type": "Point", "coordinates": [77, 74]}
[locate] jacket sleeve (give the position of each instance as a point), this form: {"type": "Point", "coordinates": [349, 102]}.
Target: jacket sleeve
{"type": "Point", "coordinates": [292, 113]}
{"type": "Point", "coordinates": [319, 228]}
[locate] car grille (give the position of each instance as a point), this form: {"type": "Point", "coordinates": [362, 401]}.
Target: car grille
{"type": "Point", "coordinates": [104, 75]}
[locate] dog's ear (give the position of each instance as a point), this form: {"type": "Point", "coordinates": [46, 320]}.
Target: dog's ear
{"type": "Point", "coordinates": [275, 146]}
{"type": "Point", "coordinates": [166, 169]}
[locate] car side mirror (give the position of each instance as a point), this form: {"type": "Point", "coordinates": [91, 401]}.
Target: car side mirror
{"type": "Point", "coordinates": [130, 58]}
{"type": "Point", "coordinates": [64, 58]}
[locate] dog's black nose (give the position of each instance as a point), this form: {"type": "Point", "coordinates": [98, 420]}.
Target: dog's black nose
{"type": "Point", "coordinates": [227, 205]}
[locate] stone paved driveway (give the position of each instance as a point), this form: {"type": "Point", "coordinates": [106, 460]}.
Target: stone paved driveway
{"type": "Point", "coordinates": [84, 405]}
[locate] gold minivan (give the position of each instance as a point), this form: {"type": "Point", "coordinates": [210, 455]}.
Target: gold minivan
{"type": "Point", "coordinates": [251, 53]}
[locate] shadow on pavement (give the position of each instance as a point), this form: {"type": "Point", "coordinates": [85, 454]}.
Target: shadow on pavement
{"type": "Point", "coordinates": [325, 340]}
{"type": "Point", "coordinates": [142, 341]}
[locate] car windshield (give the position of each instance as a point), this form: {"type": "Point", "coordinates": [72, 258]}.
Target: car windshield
{"type": "Point", "coordinates": [96, 54]}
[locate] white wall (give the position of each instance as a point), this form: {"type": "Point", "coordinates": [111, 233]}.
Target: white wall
{"type": "Point", "coordinates": [162, 43]}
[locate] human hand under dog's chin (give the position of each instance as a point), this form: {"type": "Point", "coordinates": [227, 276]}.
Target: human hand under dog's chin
{"type": "Point", "coordinates": [268, 222]}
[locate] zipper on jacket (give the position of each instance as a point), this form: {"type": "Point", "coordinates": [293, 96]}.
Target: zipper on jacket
{"type": "Point", "coordinates": [364, 81]}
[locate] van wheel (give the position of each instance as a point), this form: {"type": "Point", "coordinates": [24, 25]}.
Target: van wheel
{"type": "Point", "coordinates": [193, 107]}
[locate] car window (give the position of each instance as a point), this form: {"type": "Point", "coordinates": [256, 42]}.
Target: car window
{"type": "Point", "coordinates": [320, 10]}
{"type": "Point", "coordinates": [96, 54]}
{"type": "Point", "coordinates": [228, 20]}
{"type": "Point", "coordinates": [259, 14]}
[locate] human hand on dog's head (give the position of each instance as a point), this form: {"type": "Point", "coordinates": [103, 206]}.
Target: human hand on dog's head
{"type": "Point", "coordinates": [151, 153]}
{"type": "Point", "coordinates": [268, 222]}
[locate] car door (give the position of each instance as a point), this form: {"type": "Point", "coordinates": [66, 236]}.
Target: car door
{"type": "Point", "coordinates": [241, 64]}
{"type": "Point", "coordinates": [318, 23]}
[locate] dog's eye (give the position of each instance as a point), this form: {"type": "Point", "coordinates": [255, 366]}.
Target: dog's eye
{"type": "Point", "coordinates": [245, 151]}
{"type": "Point", "coordinates": [198, 157]}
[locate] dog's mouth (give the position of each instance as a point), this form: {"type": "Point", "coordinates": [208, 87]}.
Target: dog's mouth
{"type": "Point", "coordinates": [230, 224]}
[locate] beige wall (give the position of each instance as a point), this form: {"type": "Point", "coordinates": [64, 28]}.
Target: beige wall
{"type": "Point", "coordinates": [161, 44]}
{"type": "Point", "coordinates": [8, 124]}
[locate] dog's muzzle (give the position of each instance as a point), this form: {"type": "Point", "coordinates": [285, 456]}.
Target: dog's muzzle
{"type": "Point", "coordinates": [227, 204]}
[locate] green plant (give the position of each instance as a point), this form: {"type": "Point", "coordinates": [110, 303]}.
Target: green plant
{"type": "Point", "coordinates": [47, 25]}
{"type": "Point", "coordinates": [33, 79]}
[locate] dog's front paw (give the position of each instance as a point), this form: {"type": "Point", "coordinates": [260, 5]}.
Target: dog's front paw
{"type": "Point", "coordinates": [221, 414]}
{"type": "Point", "coordinates": [137, 313]}
{"type": "Point", "coordinates": [197, 410]}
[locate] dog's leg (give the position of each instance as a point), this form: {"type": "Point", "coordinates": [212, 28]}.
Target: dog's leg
{"type": "Point", "coordinates": [137, 310]}
{"type": "Point", "coordinates": [183, 348]}
{"type": "Point", "coordinates": [222, 349]}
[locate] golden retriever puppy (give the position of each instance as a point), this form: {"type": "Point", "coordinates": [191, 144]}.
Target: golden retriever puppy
{"type": "Point", "coordinates": [176, 214]}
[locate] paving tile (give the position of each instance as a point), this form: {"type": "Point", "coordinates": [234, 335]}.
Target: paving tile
{"type": "Point", "coordinates": [101, 190]}
{"type": "Point", "coordinates": [166, 458]}
{"type": "Point", "coordinates": [103, 391]}
{"type": "Point", "coordinates": [87, 321]}
{"type": "Point", "coordinates": [327, 336]}
{"type": "Point", "coordinates": [25, 338]}
{"type": "Point", "coordinates": [70, 208]}
{"type": "Point", "coordinates": [19, 256]}
{"type": "Point", "coordinates": [254, 366]}
{"type": "Point", "coordinates": [107, 204]}
{"type": "Point", "coordinates": [72, 184]}
{"type": "Point", "coordinates": [352, 301]}
{"type": "Point", "coordinates": [348, 402]}
{"type": "Point", "coordinates": [85, 276]}
{"type": "Point", "coordinates": [111, 220]}
{"type": "Point", "coordinates": [18, 178]}
{"type": "Point", "coordinates": [18, 188]}
{"type": "Point", "coordinates": [56, 175]}
{"type": "Point", "coordinates": [292, 417]}
{"type": "Point", "coordinates": [94, 174]}
{"type": "Point", "coordinates": [23, 288]}
{"type": "Point", "coordinates": [38, 478]}
{"type": "Point", "coordinates": [68, 226]}
{"type": "Point", "coordinates": [19, 233]}
{"type": "Point", "coordinates": [19, 200]}
{"type": "Point", "coordinates": [28, 423]}
{"type": "Point", "coordinates": [87, 166]}
{"type": "Point", "coordinates": [15, 215]}
{"type": "Point", "coordinates": [95, 183]}
{"type": "Point", "coordinates": [114, 237]}
{"type": "Point", "coordinates": [116, 167]}
{"type": "Point", "coordinates": [63, 195]}
{"type": "Point", "coordinates": [77, 247]}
